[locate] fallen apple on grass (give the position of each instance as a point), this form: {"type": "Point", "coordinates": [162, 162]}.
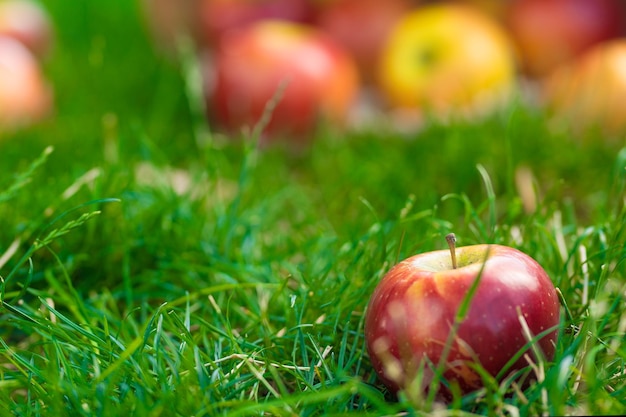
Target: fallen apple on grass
{"type": "Point", "coordinates": [291, 73]}
{"type": "Point", "coordinates": [446, 60]}
{"type": "Point", "coordinates": [454, 313]}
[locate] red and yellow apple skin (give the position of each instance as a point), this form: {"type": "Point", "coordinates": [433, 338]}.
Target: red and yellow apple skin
{"type": "Point", "coordinates": [311, 77]}
{"type": "Point", "coordinates": [589, 91]}
{"type": "Point", "coordinates": [412, 311]}
{"type": "Point", "coordinates": [549, 33]}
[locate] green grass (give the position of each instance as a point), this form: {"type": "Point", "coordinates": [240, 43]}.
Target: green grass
{"type": "Point", "coordinates": [244, 293]}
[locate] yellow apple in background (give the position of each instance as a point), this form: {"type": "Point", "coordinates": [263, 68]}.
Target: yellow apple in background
{"type": "Point", "coordinates": [590, 91]}
{"type": "Point", "coordinates": [445, 60]}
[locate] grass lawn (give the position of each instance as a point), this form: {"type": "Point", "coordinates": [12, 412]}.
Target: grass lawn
{"type": "Point", "coordinates": [152, 268]}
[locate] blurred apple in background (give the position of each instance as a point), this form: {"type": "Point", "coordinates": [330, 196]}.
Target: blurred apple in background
{"type": "Point", "coordinates": [311, 77]}
{"type": "Point", "coordinates": [28, 22]}
{"type": "Point", "coordinates": [551, 32]}
{"type": "Point", "coordinates": [216, 17]}
{"type": "Point", "coordinates": [494, 8]}
{"type": "Point", "coordinates": [24, 94]}
{"type": "Point", "coordinates": [590, 91]}
{"type": "Point", "coordinates": [362, 27]}
{"type": "Point", "coordinates": [446, 60]}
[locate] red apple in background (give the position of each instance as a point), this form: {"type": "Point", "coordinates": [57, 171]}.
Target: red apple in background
{"type": "Point", "coordinates": [311, 77]}
{"type": "Point", "coordinates": [590, 90]}
{"type": "Point", "coordinates": [412, 312]}
{"type": "Point", "coordinates": [24, 95]}
{"type": "Point", "coordinates": [28, 22]}
{"type": "Point", "coordinates": [447, 59]}
{"type": "Point", "coordinates": [549, 33]}
{"type": "Point", "coordinates": [216, 17]}
{"type": "Point", "coordinates": [361, 26]}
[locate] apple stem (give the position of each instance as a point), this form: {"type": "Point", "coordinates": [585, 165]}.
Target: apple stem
{"type": "Point", "coordinates": [451, 239]}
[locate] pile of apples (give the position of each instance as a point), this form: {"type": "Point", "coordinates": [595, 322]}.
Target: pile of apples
{"type": "Point", "coordinates": [285, 66]}
{"type": "Point", "coordinates": [25, 38]}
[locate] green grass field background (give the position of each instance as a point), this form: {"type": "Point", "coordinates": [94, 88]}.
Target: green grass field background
{"type": "Point", "coordinates": [152, 267]}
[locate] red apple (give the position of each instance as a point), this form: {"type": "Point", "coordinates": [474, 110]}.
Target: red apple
{"type": "Point", "coordinates": [590, 90]}
{"type": "Point", "coordinates": [549, 33]}
{"type": "Point", "coordinates": [309, 74]}
{"type": "Point", "coordinates": [447, 59]}
{"type": "Point", "coordinates": [412, 312]}
{"type": "Point", "coordinates": [362, 27]}
{"type": "Point", "coordinates": [28, 22]}
{"type": "Point", "coordinates": [24, 95]}
{"type": "Point", "coordinates": [216, 17]}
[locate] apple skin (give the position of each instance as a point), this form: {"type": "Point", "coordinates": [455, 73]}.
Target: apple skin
{"type": "Point", "coordinates": [494, 8]}
{"type": "Point", "coordinates": [25, 96]}
{"type": "Point", "coordinates": [589, 91]}
{"type": "Point", "coordinates": [447, 59]}
{"type": "Point", "coordinates": [217, 17]}
{"type": "Point", "coordinates": [28, 22]}
{"type": "Point", "coordinates": [344, 20]}
{"type": "Point", "coordinates": [317, 79]}
{"type": "Point", "coordinates": [411, 312]}
{"type": "Point", "coordinates": [549, 33]}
